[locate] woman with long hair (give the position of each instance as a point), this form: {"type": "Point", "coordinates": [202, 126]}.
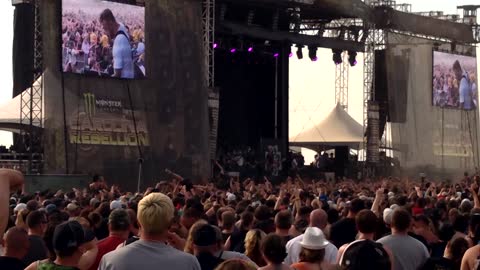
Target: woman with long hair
{"type": "Point", "coordinates": [253, 242]}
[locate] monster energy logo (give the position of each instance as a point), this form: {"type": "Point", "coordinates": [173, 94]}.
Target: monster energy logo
{"type": "Point", "coordinates": [90, 104]}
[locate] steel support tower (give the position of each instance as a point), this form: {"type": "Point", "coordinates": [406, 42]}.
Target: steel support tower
{"type": "Point", "coordinates": [341, 82]}
{"type": "Point", "coordinates": [31, 103]}
{"type": "Point", "coordinates": [208, 21]}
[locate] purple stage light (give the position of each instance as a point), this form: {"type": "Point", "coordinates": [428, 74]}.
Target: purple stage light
{"type": "Point", "coordinates": [276, 55]}
{"type": "Point", "coordinates": [215, 45]}
{"type": "Point", "coordinates": [233, 50]}
{"type": "Point", "coordinates": [315, 59]}
{"type": "Point", "coordinates": [250, 49]}
{"type": "Point", "coordinates": [290, 54]}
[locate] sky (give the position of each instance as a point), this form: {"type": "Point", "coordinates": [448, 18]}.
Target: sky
{"type": "Point", "coordinates": [312, 85]}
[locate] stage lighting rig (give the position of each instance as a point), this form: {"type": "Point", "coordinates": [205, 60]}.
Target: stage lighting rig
{"type": "Point", "coordinates": [337, 56]}
{"type": "Point", "coordinates": [299, 51]}
{"type": "Point", "coordinates": [312, 53]}
{"type": "Point", "coordinates": [352, 58]}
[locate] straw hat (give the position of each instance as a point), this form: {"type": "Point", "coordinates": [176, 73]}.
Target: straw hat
{"type": "Point", "coordinates": [314, 239]}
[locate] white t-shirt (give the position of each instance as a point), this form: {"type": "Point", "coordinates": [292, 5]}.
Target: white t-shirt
{"type": "Point", "coordinates": [122, 54]}
{"type": "Point", "coordinates": [293, 250]}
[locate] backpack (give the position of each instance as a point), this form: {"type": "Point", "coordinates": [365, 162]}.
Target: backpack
{"type": "Point", "coordinates": [365, 254]}
{"type": "Point", "coordinates": [137, 71]}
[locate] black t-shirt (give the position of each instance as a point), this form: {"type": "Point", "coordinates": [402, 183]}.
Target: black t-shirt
{"type": "Point", "coordinates": [11, 263]}
{"type": "Point", "coordinates": [237, 241]}
{"type": "Point", "coordinates": [343, 231]}
{"type": "Point", "coordinates": [38, 250]}
{"type": "Point", "coordinates": [440, 264]}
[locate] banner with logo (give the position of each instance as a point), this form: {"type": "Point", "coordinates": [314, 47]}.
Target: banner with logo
{"type": "Point", "coordinates": [107, 121]}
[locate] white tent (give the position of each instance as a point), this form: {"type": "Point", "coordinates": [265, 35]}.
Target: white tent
{"type": "Point", "coordinates": [337, 129]}
{"type": "Point", "coordinates": [10, 112]}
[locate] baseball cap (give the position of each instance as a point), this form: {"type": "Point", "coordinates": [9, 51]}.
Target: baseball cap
{"type": "Point", "coordinates": [365, 254]}
{"type": "Point", "coordinates": [205, 236]}
{"type": "Point", "coordinates": [115, 205]}
{"type": "Point", "coordinates": [67, 236]}
{"type": "Point", "coordinates": [72, 207]}
{"type": "Point", "coordinates": [20, 207]}
{"type": "Point", "coordinates": [50, 208]}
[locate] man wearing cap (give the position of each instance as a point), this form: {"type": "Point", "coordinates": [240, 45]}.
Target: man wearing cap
{"type": "Point", "coordinates": [118, 227]}
{"type": "Point", "coordinates": [155, 248]}
{"type": "Point", "coordinates": [69, 245]}
{"type": "Point", "coordinates": [37, 226]}
{"type": "Point", "coordinates": [205, 247]}
{"type": "Point", "coordinates": [16, 247]}
{"type": "Point", "coordinates": [318, 219]}
{"type": "Point", "coordinates": [408, 253]}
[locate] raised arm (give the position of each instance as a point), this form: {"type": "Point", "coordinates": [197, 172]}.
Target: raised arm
{"type": "Point", "coordinates": [10, 181]}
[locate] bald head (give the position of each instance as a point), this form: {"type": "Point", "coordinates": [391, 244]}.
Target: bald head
{"type": "Point", "coordinates": [319, 219]}
{"type": "Point", "coordinates": [16, 242]}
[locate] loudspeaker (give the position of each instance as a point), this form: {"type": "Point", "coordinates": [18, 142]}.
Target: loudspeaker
{"type": "Point", "coordinates": [341, 160]}
{"type": "Point", "coordinates": [23, 39]}
{"type": "Point", "coordinates": [381, 88]}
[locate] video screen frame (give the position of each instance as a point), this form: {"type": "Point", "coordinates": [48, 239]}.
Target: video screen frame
{"type": "Point", "coordinates": [446, 83]}
{"type": "Point", "coordinates": [103, 62]}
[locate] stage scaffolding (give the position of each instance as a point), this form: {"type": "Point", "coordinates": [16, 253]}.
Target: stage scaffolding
{"type": "Point", "coordinates": [31, 102]}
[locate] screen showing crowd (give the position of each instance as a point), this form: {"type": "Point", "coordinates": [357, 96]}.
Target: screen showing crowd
{"type": "Point", "coordinates": [455, 82]}
{"type": "Point", "coordinates": [103, 38]}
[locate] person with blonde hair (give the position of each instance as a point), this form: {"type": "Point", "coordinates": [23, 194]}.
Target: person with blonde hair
{"type": "Point", "coordinates": [253, 242]}
{"type": "Point", "coordinates": [236, 264]}
{"type": "Point", "coordinates": [155, 215]}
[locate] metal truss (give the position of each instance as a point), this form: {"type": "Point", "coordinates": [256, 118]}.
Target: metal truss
{"type": "Point", "coordinates": [31, 103]}
{"type": "Point", "coordinates": [341, 82]}
{"type": "Point", "coordinates": [208, 21]}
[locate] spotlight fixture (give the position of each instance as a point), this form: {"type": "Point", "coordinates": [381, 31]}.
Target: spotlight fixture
{"type": "Point", "coordinates": [337, 56]}
{"type": "Point", "coordinates": [352, 58]}
{"type": "Point", "coordinates": [312, 53]}
{"type": "Point", "coordinates": [250, 49]}
{"type": "Point", "coordinates": [233, 50]}
{"type": "Point", "coordinates": [299, 51]}
{"type": "Point", "coordinates": [276, 55]}
{"type": "Point", "coordinates": [215, 45]}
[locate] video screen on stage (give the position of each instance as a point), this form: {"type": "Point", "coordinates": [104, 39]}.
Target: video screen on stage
{"type": "Point", "coordinates": [103, 38]}
{"type": "Point", "coordinates": [455, 83]}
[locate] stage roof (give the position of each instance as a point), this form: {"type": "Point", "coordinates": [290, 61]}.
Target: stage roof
{"type": "Point", "coordinates": [337, 129]}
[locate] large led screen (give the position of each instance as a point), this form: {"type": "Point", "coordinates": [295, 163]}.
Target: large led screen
{"type": "Point", "coordinates": [455, 83]}
{"type": "Point", "coordinates": [103, 38]}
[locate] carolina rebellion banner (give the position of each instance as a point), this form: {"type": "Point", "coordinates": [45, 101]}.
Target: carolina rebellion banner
{"type": "Point", "coordinates": [106, 121]}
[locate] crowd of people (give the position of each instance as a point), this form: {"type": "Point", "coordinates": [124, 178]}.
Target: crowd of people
{"type": "Point", "coordinates": [89, 45]}
{"type": "Point", "coordinates": [390, 223]}
{"type": "Point", "coordinates": [455, 87]}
